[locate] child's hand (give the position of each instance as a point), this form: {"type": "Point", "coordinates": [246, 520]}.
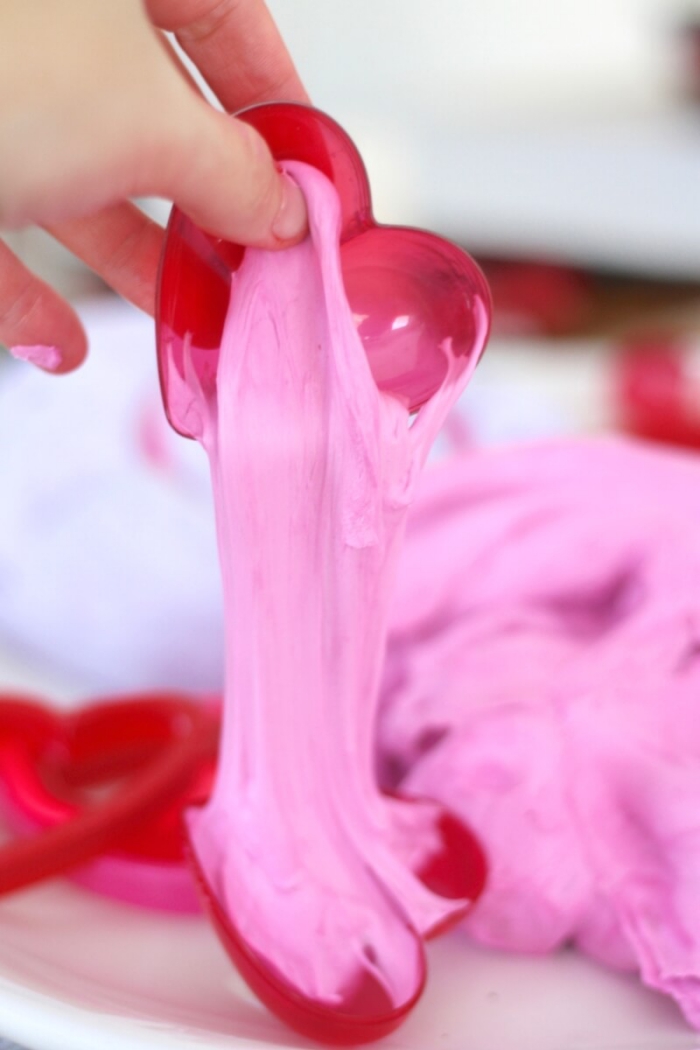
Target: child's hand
{"type": "Point", "coordinates": [95, 109]}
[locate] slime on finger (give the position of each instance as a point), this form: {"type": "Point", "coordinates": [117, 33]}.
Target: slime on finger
{"type": "Point", "coordinates": [46, 357]}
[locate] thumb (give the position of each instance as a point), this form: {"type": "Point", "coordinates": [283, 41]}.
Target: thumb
{"type": "Point", "coordinates": [220, 171]}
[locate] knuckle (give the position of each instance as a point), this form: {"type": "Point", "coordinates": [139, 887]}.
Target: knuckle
{"type": "Point", "coordinates": [209, 21]}
{"type": "Point", "coordinates": [24, 305]}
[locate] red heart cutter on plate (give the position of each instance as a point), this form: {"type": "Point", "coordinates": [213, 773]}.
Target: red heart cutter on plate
{"type": "Point", "coordinates": [115, 777]}
{"type": "Point", "coordinates": [112, 777]}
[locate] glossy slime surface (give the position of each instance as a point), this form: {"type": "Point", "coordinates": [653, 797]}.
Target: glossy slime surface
{"type": "Point", "coordinates": [313, 470]}
{"type": "Point", "coordinates": [543, 676]}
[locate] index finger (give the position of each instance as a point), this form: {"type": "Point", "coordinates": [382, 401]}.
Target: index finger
{"type": "Point", "coordinates": [35, 322]}
{"type": "Point", "coordinates": [236, 46]}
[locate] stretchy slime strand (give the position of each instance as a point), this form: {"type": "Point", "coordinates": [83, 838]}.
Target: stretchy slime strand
{"type": "Point", "coordinates": [319, 885]}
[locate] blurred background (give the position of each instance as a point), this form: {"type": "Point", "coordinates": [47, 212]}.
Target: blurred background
{"type": "Point", "coordinates": [558, 142]}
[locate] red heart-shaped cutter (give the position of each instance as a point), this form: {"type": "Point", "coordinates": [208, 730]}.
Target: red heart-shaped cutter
{"type": "Point", "coordinates": [408, 289]}
{"type": "Point", "coordinates": [155, 753]}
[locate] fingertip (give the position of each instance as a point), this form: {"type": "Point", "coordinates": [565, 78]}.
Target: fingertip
{"type": "Point", "coordinates": [72, 354]}
{"type": "Point", "coordinates": [57, 358]}
{"type": "Point", "coordinates": [235, 189]}
{"type": "Point", "coordinates": [291, 223]}
{"type": "Point", "coordinates": [70, 342]}
{"type": "Point", "coordinates": [277, 216]}
{"type": "Point", "coordinates": [70, 361]}
{"type": "Point", "coordinates": [36, 324]}
{"type": "Point", "coordinates": [49, 358]}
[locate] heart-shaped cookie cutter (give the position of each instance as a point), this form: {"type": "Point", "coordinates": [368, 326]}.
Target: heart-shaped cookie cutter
{"type": "Point", "coordinates": [111, 778]}
{"type": "Point", "coordinates": [409, 290]}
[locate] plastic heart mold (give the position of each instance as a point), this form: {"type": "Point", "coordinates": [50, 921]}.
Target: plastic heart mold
{"type": "Point", "coordinates": [155, 753]}
{"type": "Point", "coordinates": [408, 289]}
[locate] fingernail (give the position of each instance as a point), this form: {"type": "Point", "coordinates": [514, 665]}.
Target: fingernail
{"type": "Point", "coordinates": [47, 357]}
{"type": "Point", "coordinates": [291, 221]}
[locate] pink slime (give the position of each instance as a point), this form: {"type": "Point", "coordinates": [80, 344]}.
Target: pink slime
{"type": "Point", "coordinates": [313, 469]}
{"type": "Point", "coordinates": [46, 357]}
{"type": "Point", "coordinates": [543, 678]}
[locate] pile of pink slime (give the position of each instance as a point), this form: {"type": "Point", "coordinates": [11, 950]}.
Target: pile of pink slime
{"type": "Point", "coordinates": [539, 677]}
{"type": "Point", "coordinates": [544, 677]}
{"type": "Point", "coordinates": [313, 471]}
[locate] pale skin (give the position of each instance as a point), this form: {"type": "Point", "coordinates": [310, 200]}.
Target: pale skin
{"type": "Point", "coordinates": [95, 109]}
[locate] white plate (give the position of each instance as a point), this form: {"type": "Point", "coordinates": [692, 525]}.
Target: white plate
{"type": "Point", "coordinates": [81, 973]}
